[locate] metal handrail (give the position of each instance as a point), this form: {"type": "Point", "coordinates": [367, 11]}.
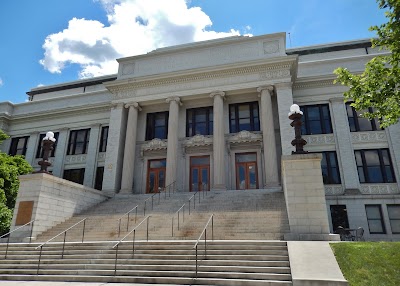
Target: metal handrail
{"type": "Point", "coordinates": [183, 216]}
{"type": "Point", "coordinates": [133, 241]}
{"type": "Point", "coordinates": [127, 223]}
{"type": "Point", "coordinates": [194, 201]}
{"type": "Point", "coordinates": [205, 239]}
{"type": "Point", "coordinates": [65, 234]}
{"type": "Point", "coordinates": [164, 189]}
{"type": "Point", "coordinates": [8, 233]}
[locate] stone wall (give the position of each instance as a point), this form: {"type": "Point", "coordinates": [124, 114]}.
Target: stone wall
{"type": "Point", "coordinates": [49, 200]}
{"type": "Point", "coordinates": [305, 198]}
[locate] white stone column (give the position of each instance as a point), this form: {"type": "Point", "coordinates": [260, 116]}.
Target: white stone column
{"type": "Point", "coordinates": [393, 134]}
{"type": "Point", "coordinates": [130, 148]}
{"type": "Point", "coordinates": [114, 153]}
{"type": "Point", "coordinates": [219, 141]}
{"type": "Point", "coordinates": [91, 157]}
{"type": "Point", "coordinates": [285, 100]}
{"type": "Point", "coordinates": [61, 150]}
{"type": "Point", "coordinates": [32, 147]}
{"type": "Point", "coordinates": [269, 143]}
{"type": "Point", "coordinates": [344, 147]}
{"type": "Point", "coordinates": [172, 144]}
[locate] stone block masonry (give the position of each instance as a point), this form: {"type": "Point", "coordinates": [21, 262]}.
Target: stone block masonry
{"type": "Point", "coordinates": [305, 198]}
{"type": "Point", "coordinates": [54, 201]}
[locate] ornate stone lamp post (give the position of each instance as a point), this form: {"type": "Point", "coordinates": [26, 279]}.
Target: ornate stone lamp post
{"type": "Point", "coordinates": [47, 145]}
{"type": "Point", "coordinates": [295, 114]}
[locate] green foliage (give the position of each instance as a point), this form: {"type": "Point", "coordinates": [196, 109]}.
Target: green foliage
{"type": "Point", "coordinates": [3, 136]}
{"type": "Point", "coordinates": [369, 263]}
{"type": "Point", "coordinates": [378, 86]}
{"type": "Point", "coordinates": [10, 168]}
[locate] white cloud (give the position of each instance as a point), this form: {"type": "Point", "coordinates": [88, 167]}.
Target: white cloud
{"type": "Point", "coordinates": [1, 82]}
{"type": "Point", "coordinates": [40, 85]}
{"type": "Point", "coordinates": [134, 27]}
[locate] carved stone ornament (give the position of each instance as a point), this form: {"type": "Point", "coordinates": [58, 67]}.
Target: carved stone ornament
{"type": "Point", "coordinates": [154, 145]}
{"type": "Point", "coordinates": [371, 136]}
{"type": "Point", "coordinates": [271, 47]}
{"type": "Point", "coordinates": [333, 190]}
{"type": "Point", "coordinates": [324, 139]}
{"type": "Point", "coordinates": [75, 159]}
{"type": "Point", "coordinates": [274, 74]}
{"type": "Point", "coordinates": [379, 189]}
{"type": "Point", "coordinates": [198, 141]}
{"type": "Point", "coordinates": [128, 69]}
{"type": "Point", "coordinates": [245, 137]}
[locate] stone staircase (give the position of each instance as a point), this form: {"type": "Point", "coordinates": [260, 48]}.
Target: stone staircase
{"type": "Point", "coordinates": [245, 251]}
{"type": "Point", "coordinates": [156, 262]}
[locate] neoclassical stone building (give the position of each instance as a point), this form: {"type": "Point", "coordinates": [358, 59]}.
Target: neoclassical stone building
{"type": "Point", "coordinates": [214, 115]}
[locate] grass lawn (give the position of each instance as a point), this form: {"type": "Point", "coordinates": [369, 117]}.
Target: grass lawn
{"type": "Point", "coordinates": [369, 263]}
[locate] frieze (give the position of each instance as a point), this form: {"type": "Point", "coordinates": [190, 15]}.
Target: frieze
{"type": "Point", "coordinates": [73, 159]}
{"type": "Point", "coordinates": [274, 74]}
{"type": "Point", "coordinates": [153, 145]}
{"type": "Point", "coordinates": [322, 139]}
{"type": "Point", "coordinates": [379, 189]}
{"type": "Point", "coordinates": [201, 80]}
{"type": "Point", "coordinates": [371, 136]}
{"type": "Point", "coordinates": [332, 190]}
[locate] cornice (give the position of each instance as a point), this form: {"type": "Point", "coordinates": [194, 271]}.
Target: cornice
{"type": "Point", "coordinates": [314, 83]}
{"type": "Point", "coordinates": [281, 63]}
{"type": "Point", "coordinates": [53, 114]}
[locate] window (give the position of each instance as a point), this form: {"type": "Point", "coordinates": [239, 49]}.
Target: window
{"type": "Point", "coordinates": [75, 175]}
{"type": "Point", "coordinates": [339, 216]}
{"type": "Point", "coordinates": [394, 218]}
{"type": "Point", "coordinates": [98, 184]}
{"type": "Point", "coordinates": [78, 142]}
{"type": "Point", "coordinates": [199, 121]}
{"type": "Point", "coordinates": [103, 139]}
{"type": "Point", "coordinates": [316, 119]}
{"type": "Point", "coordinates": [374, 166]}
{"type": "Point", "coordinates": [157, 125]}
{"type": "Point", "coordinates": [39, 151]}
{"type": "Point", "coordinates": [18, 146]}
{"type": "Point", "coordinates": [358, 123]}
{"type": "Point", "coordinates": [375, 220]}
{"type": "Point", "coordinates": [330, 168]}
{"type": "Point", "coordinates": [244, 116]}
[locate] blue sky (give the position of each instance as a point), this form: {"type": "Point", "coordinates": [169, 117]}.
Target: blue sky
{"type": "Point", "coordinates": [46, 42]}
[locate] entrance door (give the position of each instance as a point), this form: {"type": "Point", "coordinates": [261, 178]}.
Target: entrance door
{"type": "Point", "coordinates": [200, 173]}
{"type": "Point", "coordinates": [246, 171]}
{"type": "Point", "coordinates": [156, 175]}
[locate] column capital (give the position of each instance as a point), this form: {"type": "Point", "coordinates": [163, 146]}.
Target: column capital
{"type": "Point", "coordinates": [269, 88]}
{"type": "Point", "coordinates": [95, 125]}
{"type": "Point", "coordinates": [218, 92]}
{"type": "Point", "coordinates": [134, 105]}
{"type": "Point", "coordinates": [177, 99]}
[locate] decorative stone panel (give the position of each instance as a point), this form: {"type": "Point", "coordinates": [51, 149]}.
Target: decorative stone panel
{"type": "Point", "coordinates": [198, 143]}
{"type": "Point", "coordinates": [75, 159]}
{"type": "Point", "coordinates": [320, 139]}
{"type": "Point", "coordinates": [244, 139]}
{"type": "Point", "coordinates": [101, 157]}
{"type": "Point", "coordinates": [367, 137]}
{"type": "Point", "coordinates": [155, 145]}
{"type": "Point", "coordinates": [332, 190]}
{"type": "Point", "coordinates": [379, 189]}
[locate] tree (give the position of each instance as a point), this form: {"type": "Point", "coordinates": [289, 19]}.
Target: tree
{"type": "Point", "coordinates": [10, 168]}
{"type": "Point", "coordinates": [378, 86]}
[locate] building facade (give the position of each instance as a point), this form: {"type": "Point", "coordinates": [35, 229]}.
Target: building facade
{"type": "Point", "coordinates": [214, 115]}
